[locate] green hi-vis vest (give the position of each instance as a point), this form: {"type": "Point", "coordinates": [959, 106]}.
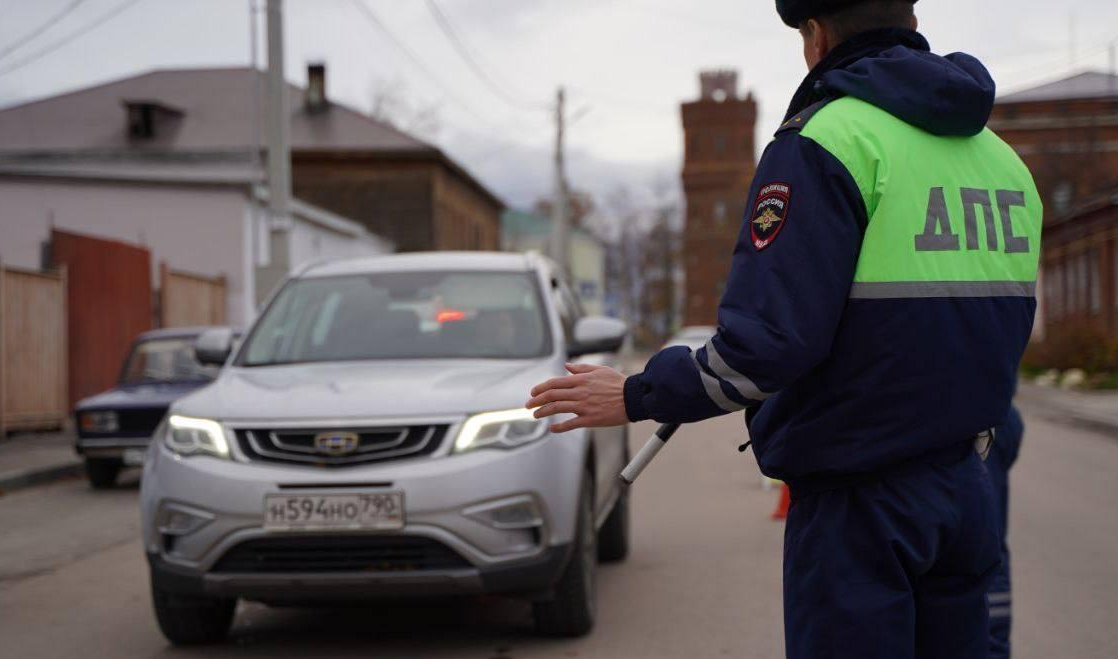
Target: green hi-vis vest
{"type": "Point", "coordinates": [948, 216]}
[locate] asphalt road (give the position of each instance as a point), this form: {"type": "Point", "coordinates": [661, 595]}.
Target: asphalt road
{"type": "Point", "coordinates": [703, 579]}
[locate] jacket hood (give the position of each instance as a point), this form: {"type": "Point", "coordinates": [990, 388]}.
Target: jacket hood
{"type": "Point", "coordinates": [894, 70]}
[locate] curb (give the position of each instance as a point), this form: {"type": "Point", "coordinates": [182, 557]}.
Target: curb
{"type": "Point", "coordinates": [1055, 412]}
{"type": "Point", "coordinates": [19, 479]}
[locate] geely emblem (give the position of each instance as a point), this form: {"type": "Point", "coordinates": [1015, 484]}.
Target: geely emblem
{"type": "Point", "coordinates": [336, 443]}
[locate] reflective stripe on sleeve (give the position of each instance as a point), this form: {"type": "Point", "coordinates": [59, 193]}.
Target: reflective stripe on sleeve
{"type": "Point", "coordinates": [714, 390]}
{"type": "Point", "coordinates": [999, 598]}
{"type": "Point", "coordinates": [739, 382]}
{"type": "Point", "coordinates": [1001, 612]}
{"type": "Point", "coordinates": [877, 290]}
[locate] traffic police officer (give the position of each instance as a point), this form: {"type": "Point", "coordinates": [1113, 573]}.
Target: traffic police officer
{"type": "Point", "coordinates": [880, 296]}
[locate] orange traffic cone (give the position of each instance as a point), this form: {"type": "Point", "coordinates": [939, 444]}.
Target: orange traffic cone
{"type": "Point", "coordinates": [781, 511]}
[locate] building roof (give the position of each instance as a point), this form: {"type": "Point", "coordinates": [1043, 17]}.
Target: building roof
{"type": "Point", "coordinates": [1085, 85]}
{"type": "Point", "coordinates": [217, 113]}
{"type": "Point", "coordinates": [199, 113]}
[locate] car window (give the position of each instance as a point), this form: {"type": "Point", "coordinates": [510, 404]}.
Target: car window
{"type": "Point", "coordinates": [165, 360]}
{"type": "Point", "coordinates": [402, 315]}
{"type": "Point", "coordinates": [568, 306]}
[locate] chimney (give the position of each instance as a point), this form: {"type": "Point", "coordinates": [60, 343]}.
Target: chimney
{"type": "Point", "coordinates": [316, 88]}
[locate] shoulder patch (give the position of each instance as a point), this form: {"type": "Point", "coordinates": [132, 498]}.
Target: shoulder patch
{"type": "Point", "coordinates": [800, 120]}
{"type": "Point", "coordinates": [770, 212]}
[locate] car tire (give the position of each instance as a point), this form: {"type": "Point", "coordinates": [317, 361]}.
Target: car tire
{"type": "Point", "coordinates": [102, 473]}
{"type": "Point", "coordinates": [190, 619]}
{"type": "Point", "coordinates": [613, 538]}
{"type": "Point", "coordinates": [570, 612]}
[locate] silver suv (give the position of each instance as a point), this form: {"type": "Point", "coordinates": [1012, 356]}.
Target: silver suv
{"type": "Point", "coordinates": [368, 439]}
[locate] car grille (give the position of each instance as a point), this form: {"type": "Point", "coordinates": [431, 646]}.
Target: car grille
{"type": "Point", "coordinates": [340, 554]}
{"type": "Point", "coordinates": [301, 446]}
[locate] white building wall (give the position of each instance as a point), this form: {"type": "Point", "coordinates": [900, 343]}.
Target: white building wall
{"type": "Point", "coordinates": [193, 228]}
{"type": "Point", "coordinates": [310, 242]}
{"type": "Point", "coordinates": [588, 265]}
{"type": "Point", "coordinates": [588, 270]}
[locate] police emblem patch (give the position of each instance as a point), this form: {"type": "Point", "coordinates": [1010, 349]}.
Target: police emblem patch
{"type": "Point", "coordinates": [769, 213]}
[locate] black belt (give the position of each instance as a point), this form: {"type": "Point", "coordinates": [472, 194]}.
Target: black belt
{"type": "Point", "coordinates": [824, 483]}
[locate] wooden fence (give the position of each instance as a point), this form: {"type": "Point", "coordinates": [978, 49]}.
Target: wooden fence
{"type": "Point", "coordinates": [33, 349]}
{"type": "Point", "coordinates": [190, 299]}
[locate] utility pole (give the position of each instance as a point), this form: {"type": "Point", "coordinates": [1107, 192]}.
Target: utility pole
{"type": "Point", "coordinates": [560, 218]}
{"type": "Point", "coordinates": [279, 158]}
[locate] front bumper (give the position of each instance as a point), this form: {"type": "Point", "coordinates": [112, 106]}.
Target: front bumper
{"type": "Point", "coordinates": [531, 576]}
{"type": "Point", "coordinates": [439, 495]}
{"type": "Point", "coordinates": [110, 447]}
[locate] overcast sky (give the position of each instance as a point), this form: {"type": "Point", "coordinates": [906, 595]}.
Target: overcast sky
{"type": "Point", "coordinates": [626, 63]}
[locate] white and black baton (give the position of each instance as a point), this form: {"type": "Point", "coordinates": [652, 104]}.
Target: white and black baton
{"type": "Point", "coordinates": [656, 442]}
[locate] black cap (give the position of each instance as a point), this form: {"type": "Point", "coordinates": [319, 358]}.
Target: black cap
{"type": "Point", "coordinates": [794, 12]}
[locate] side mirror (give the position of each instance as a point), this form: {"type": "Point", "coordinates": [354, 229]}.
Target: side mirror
{"type": "Point", "coordinates": [597, 334]}
{"type": "Point", "coordinates": [213, 346]}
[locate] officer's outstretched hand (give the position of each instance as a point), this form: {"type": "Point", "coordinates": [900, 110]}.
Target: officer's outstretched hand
{"type": "Point", "coordinates": [595, 394]}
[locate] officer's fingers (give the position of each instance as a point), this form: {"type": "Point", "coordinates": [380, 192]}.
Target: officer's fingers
{"type": "Point", "coordinates": [564, 382]}
{"type": "Point", "coordinates": [570, 424]}
{"type": "Point", "coordinates": [562, 407]}
{"type": "Point", "coordinates": [552, 395]}
{"type": "Point", "coordinates": [582, 368]}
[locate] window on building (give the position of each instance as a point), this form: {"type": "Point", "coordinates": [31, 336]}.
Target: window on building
{"type": "Point", "coordinates": [720, 212]}
{"type": "Point", "coordinates": [719, 143]}
{"type": "Point", "coordinates": [1065, 287]}
{"type": "Point", "coordinates": [1095, 282]}
{"type": "Point", "coordinates": [1051, 292]}
{"type": "Point", "coordinates": [1061, 196]}
{"type": "Point", "coordinates": [1081, 283]}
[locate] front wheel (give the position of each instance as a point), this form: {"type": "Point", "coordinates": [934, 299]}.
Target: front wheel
{"type": "Point", "coordinates": [192, 620]}
{"type": "Point", "coordinates": [571, 611]}
{"type": "Point", "coordinates": [613, 539]}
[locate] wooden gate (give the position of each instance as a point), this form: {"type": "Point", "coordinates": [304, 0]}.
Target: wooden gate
{"type": "Point", "coordinates": [188, 299]}
{"type": "Point", "coordinates": [108, 302]}
{"type": "Point", "coordinates": [33, 364]}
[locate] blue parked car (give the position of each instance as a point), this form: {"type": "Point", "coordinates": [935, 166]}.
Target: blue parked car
{"type": "Point", "coordinates": [114, 427]}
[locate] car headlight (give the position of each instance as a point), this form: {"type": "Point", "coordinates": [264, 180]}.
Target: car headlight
{"type": "Point", "coordinates": [505, 429]}
{"type": "Point", "coordinates": [190, 436]}
{"type": "Point", "coordinates": [101, 421]}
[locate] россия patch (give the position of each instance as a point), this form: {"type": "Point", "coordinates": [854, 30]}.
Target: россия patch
{"type": "Point", "coordinates": [769, 213]}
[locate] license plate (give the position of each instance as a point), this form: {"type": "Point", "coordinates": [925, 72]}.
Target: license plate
{"type": "Point", "coordinates": [133, 457]}
{"type": "Point", "coordinates": [374, 511]}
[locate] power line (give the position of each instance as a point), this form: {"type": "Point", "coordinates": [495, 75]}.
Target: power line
{"type": "Point", "coordinates": [76, 34]}
{"type": "Point", "coordinates": [375, 21]}
{"type": "Point", "coordinates": [48, 24]}
{"type": "Point", "coordinates": [464, 52]}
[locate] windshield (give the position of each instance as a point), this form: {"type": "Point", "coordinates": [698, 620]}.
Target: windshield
{"type": "Point", "coordinates": [400, 315]}
{"type": "Point", "coordinates": [165, 360]}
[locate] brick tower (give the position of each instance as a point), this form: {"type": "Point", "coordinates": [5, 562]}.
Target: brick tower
{"type": "Point", "coordinates": [718, 165]}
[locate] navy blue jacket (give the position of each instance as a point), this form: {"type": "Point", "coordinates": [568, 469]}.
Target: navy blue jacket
{"type": "Point", "coordinates": [849, 385]}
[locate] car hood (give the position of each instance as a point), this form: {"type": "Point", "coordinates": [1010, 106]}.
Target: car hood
{"type": "Point", "coordinates": [135, 396]}
{"type": "Point", "coordinates": [372, 389]}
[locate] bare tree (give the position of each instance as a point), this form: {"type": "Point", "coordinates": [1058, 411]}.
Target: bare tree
{"type": "Point", "coordinates": [392, 104]}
